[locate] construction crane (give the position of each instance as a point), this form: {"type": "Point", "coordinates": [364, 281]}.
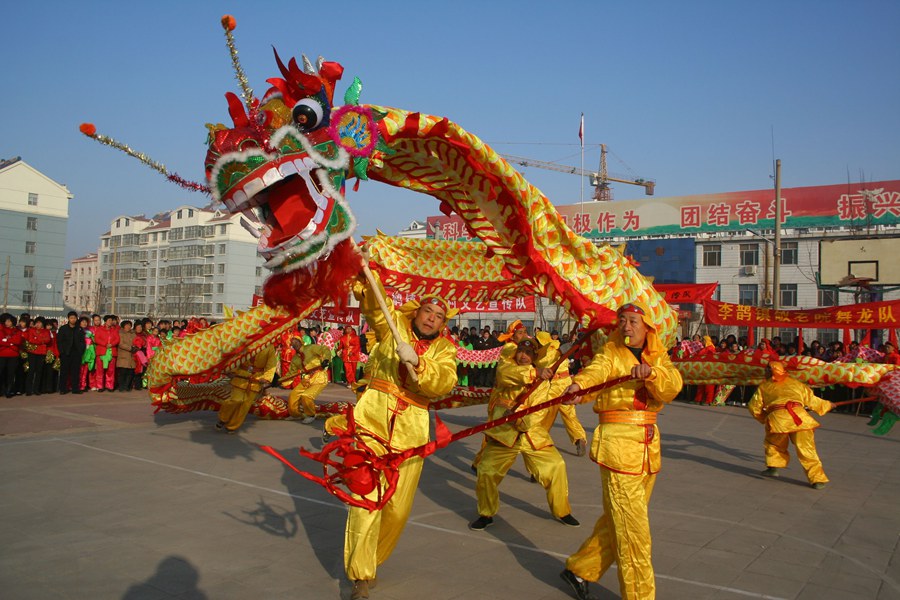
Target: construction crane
{"type": "Point", "coordinates": [599, 179]}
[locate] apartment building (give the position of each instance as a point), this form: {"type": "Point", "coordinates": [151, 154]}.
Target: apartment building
{"type": "Point", "coordinates": [82, 282]}
{"type": "Point", "coordinates": [190, 261]}
{"type": "Point", "coordinates": [34, 214]}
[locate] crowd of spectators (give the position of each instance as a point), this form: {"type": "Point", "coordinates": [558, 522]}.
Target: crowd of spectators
{"type": "Point", "coordinates": [83, 353]}
{"type": "Point", "coordinates": [101, 353]}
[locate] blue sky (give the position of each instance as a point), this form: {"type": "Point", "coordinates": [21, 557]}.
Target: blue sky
{"type": "Point", "coordinates": [688, 93]}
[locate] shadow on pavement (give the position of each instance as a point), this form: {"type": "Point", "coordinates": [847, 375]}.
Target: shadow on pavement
{"type": "Point", "coordinates": [174, 575]}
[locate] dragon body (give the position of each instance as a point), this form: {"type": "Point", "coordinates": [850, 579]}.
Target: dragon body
{"type": "Point", "coordinates": [284, 161]}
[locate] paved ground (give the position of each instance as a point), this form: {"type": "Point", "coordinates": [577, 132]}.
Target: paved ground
{"type": "Point", "coordinates": [99, 498]}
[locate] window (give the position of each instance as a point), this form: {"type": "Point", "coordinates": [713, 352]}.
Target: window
{"type": "Point", "coordinates": [153, 237]}
{"type": "Point", "coordinates": [222, 229]}
{"type": "Point", "coordinates": [32, 199]}
{"type": "Point", "coordinates": [28, 272]}
{"type": "Point", "coordinates": [106, 243]}
{"type": "Point", "coordinates": [712, 255]}
{"type": "Point", "coordinates": [178, 215]}
{"type": "Point", "coordinates": [259, 271]}
{"type": "Point", "coordinates": [219, 308]}
{"type": "Point", "coordinates": [127, 222]}
{"type": "Point", "coordinates": [118, 223]}
{"type": "Point", "coordinates": [221, 268]}
{"type": "Point", "coordinates": [748, 294]}
{"type": "Point", "coordinates": [190, 212]}
{"type": "Point", "coordinates": [220, 288]}
{"type": "Point", "coordinates": [749, 254]}
{"type": "Point", "coordinates": [221, 248]}
{"type": "Point", "coordinates": [789, 253]}
{"type": "Point", "coordinates": [30, 247]}
{"type": "Point", "coordinates": [828, 298]}
{"type": "Point", "coordinates": [788, 294]}
{"type": "Point", "coordinates": [31, 225]}
{"type": "Point", "coordinates": [27, 297]}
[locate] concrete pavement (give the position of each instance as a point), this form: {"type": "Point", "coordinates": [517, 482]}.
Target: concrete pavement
{"type": "Point", "coordinates": [102, 499]}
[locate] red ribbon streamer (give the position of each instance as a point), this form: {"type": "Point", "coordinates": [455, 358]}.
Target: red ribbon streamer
{"type": "Point", "coordinates": [364, 473]}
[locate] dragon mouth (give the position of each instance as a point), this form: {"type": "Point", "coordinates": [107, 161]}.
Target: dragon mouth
{"type": "Point", "coordinates": [287, 199]}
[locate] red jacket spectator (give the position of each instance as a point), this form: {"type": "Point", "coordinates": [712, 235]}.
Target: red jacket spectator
{"type": "Point", "coordinates": [349, 346]}
{"type": "Point", "coordinates": [10, 341]}
{"type": "Point", "coordinates": [106, 337]}
{"type": "Point", "coordinates": [39, 338]}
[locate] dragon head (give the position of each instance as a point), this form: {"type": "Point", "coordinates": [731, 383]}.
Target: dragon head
{"type": "Point", "coordinates": [286, 159]}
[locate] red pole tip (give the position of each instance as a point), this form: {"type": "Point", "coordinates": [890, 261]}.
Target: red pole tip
{"type": "Point", "coordinates": [229, 23]}
{"type": "Point", "coordinates": [88, 129]}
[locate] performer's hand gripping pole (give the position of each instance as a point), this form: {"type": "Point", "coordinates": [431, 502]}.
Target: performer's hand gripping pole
{"type": "Point", "coordinates": [376, 289]}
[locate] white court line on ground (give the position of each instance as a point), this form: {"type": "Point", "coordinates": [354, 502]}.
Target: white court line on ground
{"type": "Point", "coordinates": [883, 576]}
{"type": "Point", "coordinates": [411, 521]}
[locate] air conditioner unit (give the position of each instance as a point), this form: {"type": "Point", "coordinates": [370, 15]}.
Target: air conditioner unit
{"type": "Point", "coordinates": [748, 270]}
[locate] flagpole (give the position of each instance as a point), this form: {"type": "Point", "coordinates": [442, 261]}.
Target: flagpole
{"type": "Point", "coordinates": [581, 135]}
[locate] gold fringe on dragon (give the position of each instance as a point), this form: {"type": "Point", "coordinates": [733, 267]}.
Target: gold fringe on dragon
{"type": "Point", "coordinates": [285, 160]}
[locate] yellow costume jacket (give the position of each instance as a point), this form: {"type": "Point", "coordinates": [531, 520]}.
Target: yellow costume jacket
{"type": "Point", "coordinates": [258, 373]}
{"type": "Point", "coordinates": [774, 405]}
{"type": "Point", "coordinates": [307, 365]}
{"type": "Point", "coordinates": [394, 409]}
{"type": "Point", "coordinates": [512, 379]}
{"type": "Point", "coordinates": [629, 448]}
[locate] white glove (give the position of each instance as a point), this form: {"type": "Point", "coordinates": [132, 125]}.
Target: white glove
{"type": "Point", "coordinates": [407, 354]}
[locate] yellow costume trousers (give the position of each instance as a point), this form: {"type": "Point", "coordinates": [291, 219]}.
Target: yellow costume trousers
{"type": "Point", "coordinates": [622, 536]}
{"type": "Point", "coordinates": [573, 426]}
{"type": "Point", "coordinates": [235, 409]}
{"type": "Point", "coordinates": [302, 401]}
{"type": "Point", "coordinates": [370, 537]}
{"type": "Point", "coordinates": [546, 464]}
{"type": "Point", "coordinates": [574, 429]}
{"type": "Point", "coordinates": [776, 446]}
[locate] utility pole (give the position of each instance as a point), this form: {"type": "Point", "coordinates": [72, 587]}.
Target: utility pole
{"type": "Point", "coordinates": [6, 286]}
{"type": "Point", "coordinates": [115, 256]}
{"type": "Point", "coordinates": [776, 276]}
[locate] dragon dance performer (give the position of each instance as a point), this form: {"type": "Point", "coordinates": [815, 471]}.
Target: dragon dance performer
{"type": "Point", "coordinates": [626, 446]}
{"type": "Point", "coordinates": [392, 415]}
{"type": "Point", "coordinates": [547, 356]}
{"type": "Point", "coordinates": [308, 370]}
{"type": "Point", "coordinates": [247, 383]}
{"type": "Point", "coordinates": [526, 436]}
{"type": "Point", "coordinates": [514, 334]}
{"type": "Point", "coordinates": [779, 405]}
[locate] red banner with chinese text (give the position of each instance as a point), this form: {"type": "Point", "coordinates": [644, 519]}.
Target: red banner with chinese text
{"type": "Point", "coordinates": [871, 315]}
{"type": "Point", "coordinates": [348, 315]}
{"type": "Point", "coordinates": [523, 304]}
{"type": "Point", "coordinates": [686, 293]}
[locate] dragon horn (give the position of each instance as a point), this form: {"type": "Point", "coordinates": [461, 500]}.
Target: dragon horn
{"type": "Point", "coordinates": [308, 67]}
{"type": "Point", "coordinates": [319, 62]}
{"type": "Point", "coordinates": [90, 130]}
{"type": "Point", "coordinates": [228, 24]}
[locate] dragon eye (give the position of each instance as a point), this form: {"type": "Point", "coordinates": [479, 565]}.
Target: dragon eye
{"type": "Point", "coordinates": [307, 114]}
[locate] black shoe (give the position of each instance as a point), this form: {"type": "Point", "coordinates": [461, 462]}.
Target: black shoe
{"type": "Point", "coordinates": [220, 425]}
{"type": "Point", "coordinates": [481, 523]}
{"type": "Point", "coordinates": [63, 393]}
{"type": "Point", "coordinates": [569, 520]}
{"type": "Point", "coordinates": [474, 469]}
{"type": "Point", "coordinates": [769, 472]}
{"type": "Point", "coordinates": [579, 587]}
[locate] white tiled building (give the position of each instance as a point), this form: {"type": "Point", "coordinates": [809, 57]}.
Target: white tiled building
{"type": "Point", "coordinates": [34, 214]}
{"type": "Point", "coordinates": [82, 284]}
{"type": "Point", "coordinates": [188, 262]}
